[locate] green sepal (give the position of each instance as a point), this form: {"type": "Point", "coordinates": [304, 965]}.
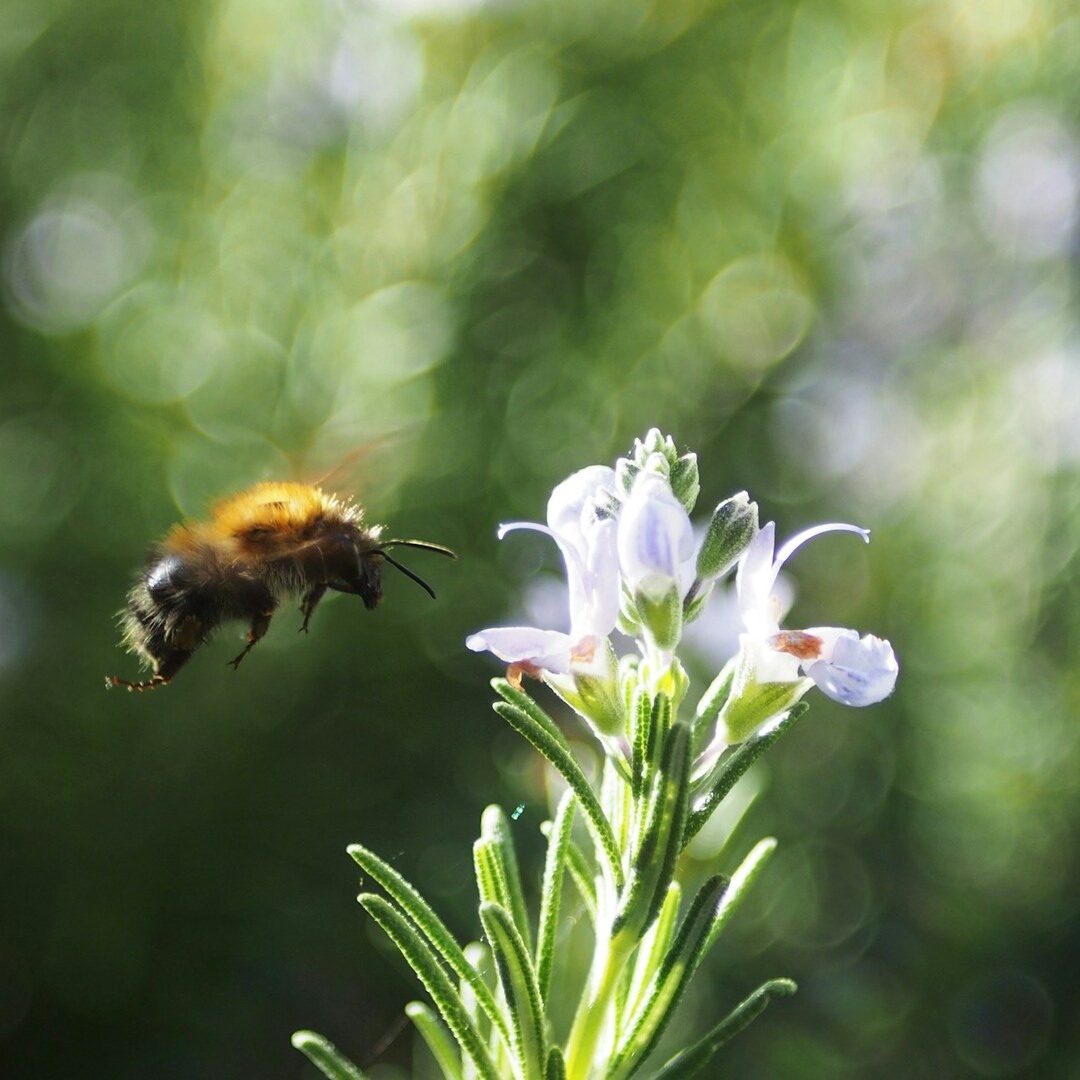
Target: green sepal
{"type": "Point", "coordinates": [695, 600]}
{"type": "Point", "coordinates": [423, 916]}
{"type": "Point", "coordinates": [437, 983]}
{"type": "Point", "coordinates": [551, 891]}
{"type": "Point", "coordinates": [751, 705]}
{"type": "Point", "coordinates": [689, 1062]}
{"type": "Point", "coordinates": [653, 865]}
{"type": "Point", "coordinates": [517, 978]}
{"type": "Point", "coordinates": [594, 692]}
{"type": "Point", "coordinates": [558, 753]}
{"type": "Point", "coordinates": [495, 825]}
{"type": "Point", "coordinates": [325, 1056]}
{"type": "Point", "coordinates": [712, 789]}
{"type": "Point", "coordinates": [669, 984]}
{"type": "Point", "coordinates": [629, 618]}
{"type": "Point", "coordinates": [438, 1039]}
{"type": "Point", "coordinates": [661, 618]}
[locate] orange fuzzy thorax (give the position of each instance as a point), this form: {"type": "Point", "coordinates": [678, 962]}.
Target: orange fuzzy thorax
{"type": "Point", "coordinates": [282, 510]}
{"type": "Point", "coordinates": [282, 506]}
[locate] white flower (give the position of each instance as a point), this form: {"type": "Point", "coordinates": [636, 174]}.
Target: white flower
{"type": "Point", "coordinates": [850, 669]}
{"type": "Point", "coordinates": [580, 520]}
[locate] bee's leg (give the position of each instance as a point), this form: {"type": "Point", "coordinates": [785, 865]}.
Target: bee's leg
{"type": "Point", "coordinates": [309, 603]}
{"type": "Point", "coordinates": [151, 684]}
{"type": "Point", "coordinates": [260, 623]}
{"type": "Point", "coordinates": [168, 658]}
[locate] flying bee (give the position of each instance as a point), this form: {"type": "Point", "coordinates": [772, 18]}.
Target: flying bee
{"type": "Point", "coordinates": [273, 541]}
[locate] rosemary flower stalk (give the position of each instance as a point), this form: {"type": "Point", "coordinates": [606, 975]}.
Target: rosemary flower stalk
{"type": "Point", "coordinates": [631, 561]}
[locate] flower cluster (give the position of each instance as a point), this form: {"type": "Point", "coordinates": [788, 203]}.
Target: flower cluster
{"type": "Point", "coordinates": [632, 563]}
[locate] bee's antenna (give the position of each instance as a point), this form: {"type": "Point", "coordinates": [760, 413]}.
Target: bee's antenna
{"type": "Point", "coordinates": [408, 573]}
{"type": "Point", "coordinates": [424, 545]}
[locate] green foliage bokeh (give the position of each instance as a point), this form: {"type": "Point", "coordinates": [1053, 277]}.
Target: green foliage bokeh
{"type": "Point", "coordinates": [467, 248]}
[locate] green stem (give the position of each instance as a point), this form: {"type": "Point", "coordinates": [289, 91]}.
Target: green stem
{"type": "Point", "coordinates": [594, 1014]}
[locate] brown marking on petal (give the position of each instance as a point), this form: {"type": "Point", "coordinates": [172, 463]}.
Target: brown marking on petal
{"type": "Point", "coordinates": [515, 671]}
{"type": "Point", "coordinates": [797, 643]}
{"type": "Point", "coordinates": [585, 650]}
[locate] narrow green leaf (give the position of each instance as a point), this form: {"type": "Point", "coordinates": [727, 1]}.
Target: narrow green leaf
{"type": "Point", "coordinates": [658, 728]}
{"type": "Point", "coordinates": [437, 1038]}
{"type": "Point", "coordinates": [714, 787]}
{"type": "Point", "coordinates": [477, 956]}
{"type": "Point", "coordinates": [519, 986]}
{"type": "Point", "coordinates": [551, 891]}
{"type": "Point", "coordinates": [708, 708]}
{"type": "Point", "coordinates": [641, 715]}
{"type": "Point", "coordinates": [691, 1061]}
{"type": "Point", "coordinates": [326, 1057]}
{"type": "Point", "coordinates": [654, 861]}
{"type": "Point", "coordinates": [582, 877]}
{"type": "Point", "coordinates": [432, 927]}
{"type": "Point", "coordinates": [654, 947]}
{"type": "Point", "coordinates": [528, 706]}
{"type": "Point", "coordinates": [669, 984]}
{"type": "Point", "coordinates": [489, 879]}
{"type": "Point", "coordinates": [422, 960]}
{"type": "Point", "coordinates": [556, 1065]}
{"type": "Point", "coordinates": [741, 880]}
{"type": "Point", "coordinates": [560, 757]}
{"type": "Point", "coordinates": [495, 826]}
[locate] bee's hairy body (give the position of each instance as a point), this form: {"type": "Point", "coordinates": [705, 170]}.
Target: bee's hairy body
{"type": "Point", "coordinates": [266, 544]}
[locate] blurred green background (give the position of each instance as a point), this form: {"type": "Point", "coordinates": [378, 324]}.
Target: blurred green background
{"type": "Point", "coordinates": [832, 246]}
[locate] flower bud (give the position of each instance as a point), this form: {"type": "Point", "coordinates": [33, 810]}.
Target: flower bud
{"type": "Point", "coordinates": [684, 481]}
{"type": "Point", "coordinates": [626, 472]}
{"type": "Point", "coordinates": [653, 443]}
{"type": "Point", "coordinates": [734, 524]}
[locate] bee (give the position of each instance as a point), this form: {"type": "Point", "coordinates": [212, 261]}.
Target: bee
{"type": "Point", "coordinates": [274, 540]}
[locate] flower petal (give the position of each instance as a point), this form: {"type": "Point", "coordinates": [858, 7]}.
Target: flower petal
{"type": "Point", "coordinates": [655, 537]}
{"type": "Point", "coordinates": [853, 670]}
{"type": "Point", "coordinates": [573, 503]}
{"type": "Point", "coordinates": [754, 581]}
{"type": "Point", "coordinates": [547, 649]}
{"type": "Point", "coordinates": [799, 539]}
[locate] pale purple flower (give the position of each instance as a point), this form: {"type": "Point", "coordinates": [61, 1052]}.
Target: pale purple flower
{"type": "Point", "coordinates": [580, 519]}
{"type": "Point", "coordinates": [655, 539]}
{"type": "Point", "coordinates": [848, 668]}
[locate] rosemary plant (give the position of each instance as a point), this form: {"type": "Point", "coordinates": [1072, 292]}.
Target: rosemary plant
{"type": "Point", "coordinates": [632, 564]}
